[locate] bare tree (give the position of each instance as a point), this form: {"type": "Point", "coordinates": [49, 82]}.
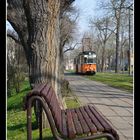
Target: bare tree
{"type": "Point", "coordinates": [124, 39]}
{"type": "Point", "coordinates": [67, 30]}
{"type": "Point", "coordinates": [116, 10]}
{"type": "Point", "coordinates": [16, 66]}
{"type": "Point", "coordinates": [104, 32]}
{"type": "Point", "coordinates": [97, 48]}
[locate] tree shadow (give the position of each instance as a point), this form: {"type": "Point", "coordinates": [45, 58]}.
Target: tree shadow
{"type": "Point", "coordinates": [22, 126]}
{"type": "Point", "coordinates": [18, 126]}
{"type": "Point", "coordinates": [16, 107]}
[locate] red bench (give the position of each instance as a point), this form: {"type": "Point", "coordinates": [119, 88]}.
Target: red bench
{"type": "Point", "coordinates": [83, 123]}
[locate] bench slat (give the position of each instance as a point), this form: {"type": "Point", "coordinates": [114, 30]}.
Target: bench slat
{"type": "Point", "coordinates": [70, 124]}
{"type": "Point", "coordinates": [45, 90]}
{"type": "Point", "coordinates": [82, 121]}
{"type": "Point", "coordinates": [77, 124]}
{"type": "Point", "coordinates": [106, 126]}
{"type": "Point", "coordinates": [38, 88]}
{"type": "Point", "coordinates": [57, 114]}
{"type": "Point", "coordinates": [56, 110]}
{"type": "Point", "coordinates": [49, 95]}
{"type": "Point", "coordinates": [94, 119]}
{"type": "Point", "coordinates": [91, 126]}
{"type": "Point", "coordinates": [64, 124]}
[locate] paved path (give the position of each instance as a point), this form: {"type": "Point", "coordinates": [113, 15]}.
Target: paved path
{"type": "Point", "coordinates": [116, 105]}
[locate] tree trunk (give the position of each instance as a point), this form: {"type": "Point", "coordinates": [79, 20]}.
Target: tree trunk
{"type": "Point", "coordinates": [62, 62]}
{"type": "Point", "coordinates": [43, 43]}
{"type": "Point", "coordinates": [109, 63]}
{"type": "Point", "coordinates": [117, 46]}
{"type": "Point", "coordinates": [103, 58]}
{"type": "Point", "coordinates": [53, 42]}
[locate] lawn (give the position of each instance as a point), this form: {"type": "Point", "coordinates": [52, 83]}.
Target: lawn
{"type": "Point", "coordinates": [121, 81]}
{"type": "Point", "coordinates": [16, 118]}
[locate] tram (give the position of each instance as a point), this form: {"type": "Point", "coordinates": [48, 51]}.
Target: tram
{"type": "Point", "coordinates": [85, 63]}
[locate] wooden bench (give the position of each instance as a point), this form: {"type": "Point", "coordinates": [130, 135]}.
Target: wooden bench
{"type": "Point", "coordinates": [83, 123]}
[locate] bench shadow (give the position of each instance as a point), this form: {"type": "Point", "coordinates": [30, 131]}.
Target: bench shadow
{"type": "Point", "coordinates": [21, 126]}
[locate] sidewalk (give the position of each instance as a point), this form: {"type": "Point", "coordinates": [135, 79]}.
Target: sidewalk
{"type": "Point", "coordinates": [116, 105]}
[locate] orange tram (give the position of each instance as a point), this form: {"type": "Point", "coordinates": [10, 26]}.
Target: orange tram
{"type": "Point", "coordinates": [85, 63]}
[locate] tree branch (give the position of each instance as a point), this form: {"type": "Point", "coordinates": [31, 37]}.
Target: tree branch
{"type": "Point", "coordinates": [71, 48]}
{"type": "Point", "coordinates": [12, 35]}
{"type": "Point", "coordinates": [17, 18]}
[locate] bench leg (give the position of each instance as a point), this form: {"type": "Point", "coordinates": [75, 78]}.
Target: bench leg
{"type": "Point", "coordinates": [40, 121]}
{"type": "Point", "coordinates": [49, 116]}
{"type": "Point", "coordinates": [29, 121]}
{"type": "Point", "coordinates": [110, 137]}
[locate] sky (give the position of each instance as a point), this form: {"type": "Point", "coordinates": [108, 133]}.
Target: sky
{"type": "Point", "coordinates": [8, 25]}
{"type": "Point", "coordinates": [86, 8]}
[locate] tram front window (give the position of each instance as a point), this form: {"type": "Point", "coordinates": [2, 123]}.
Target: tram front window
{"type": "Point", "coordinates": [85, 60]}
{"type": "Point", "coordinates": [90, 60]}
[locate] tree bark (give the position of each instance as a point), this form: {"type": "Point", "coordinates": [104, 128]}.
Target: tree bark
{"type": "Point", "coordinates": [117, 45]}
{"type": "Point", "coordinates": [43, 41]}
{"type": "Point", "coordinates": [117, 7]}
{"type": "Point", "coordinates": [103, 57]}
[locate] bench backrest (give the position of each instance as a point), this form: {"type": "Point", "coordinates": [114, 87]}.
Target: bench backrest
{"type": "Point", "coordinates": [51, 98]}
{"type": "Point", "coordinates": [47, 92]}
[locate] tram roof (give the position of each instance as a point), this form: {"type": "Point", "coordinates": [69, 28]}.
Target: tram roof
{"type": "Point", "coordinates": [86, 52]}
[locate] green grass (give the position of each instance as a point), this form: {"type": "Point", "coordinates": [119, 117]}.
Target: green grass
{"type": "Point", "coordinates": [16, 118]}
{"type": "Point", "coordinates": [71, 102]}
{"type": "Point", "coordinates": [121, 81]}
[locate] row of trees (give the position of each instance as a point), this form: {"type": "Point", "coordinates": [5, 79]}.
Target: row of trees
{"type": "Point", "coordinates": [111, 35]}
{"type": "Point", "coordinates": [114, 31]}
